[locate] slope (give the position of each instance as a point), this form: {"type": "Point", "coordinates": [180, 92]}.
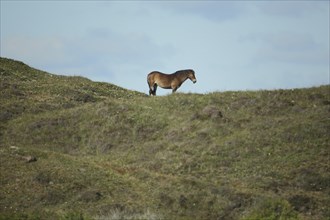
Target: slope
{"type": "Point", "coordinates": [24, 89]}
{"type": "Point", "coordinates": [231, 155]}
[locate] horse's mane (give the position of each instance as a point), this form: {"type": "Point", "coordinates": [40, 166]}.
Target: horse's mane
{"type": "Point", "coordinates": [183, 71]}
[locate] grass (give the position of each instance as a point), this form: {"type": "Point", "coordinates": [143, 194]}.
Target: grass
{"type": "Point", "coordinates": [104, 152]}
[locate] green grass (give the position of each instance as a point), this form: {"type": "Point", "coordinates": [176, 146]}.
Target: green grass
{"type": "Point", "coordinates": [104, 152]}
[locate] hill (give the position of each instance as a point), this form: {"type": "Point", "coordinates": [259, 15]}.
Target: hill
{"type": "Point", "coordinates": [71, 148]}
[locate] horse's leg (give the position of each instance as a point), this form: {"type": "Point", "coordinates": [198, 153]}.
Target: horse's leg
{"type": "Point", "coordinates": [174, 89]}
{"type": "Point", "coordinates": [175, 85]}
{"type": "Point", "coordinates": [151, 89]}
{"type": "Point", "coordinates": [155, 89]}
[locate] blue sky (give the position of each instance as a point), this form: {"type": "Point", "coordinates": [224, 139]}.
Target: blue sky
{"type": "Point", "coordinates": [231, 45]}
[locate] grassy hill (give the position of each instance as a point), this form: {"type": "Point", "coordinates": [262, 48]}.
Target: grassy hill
{"type": "Point", "coordinates": [71, 148]}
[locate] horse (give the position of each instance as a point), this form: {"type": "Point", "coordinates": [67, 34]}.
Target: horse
{"type": "Point", "coordinates": [169, 81]}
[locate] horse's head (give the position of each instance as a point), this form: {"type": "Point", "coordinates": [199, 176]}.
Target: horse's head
{"type": "Point", "coordinates": [191, 76]}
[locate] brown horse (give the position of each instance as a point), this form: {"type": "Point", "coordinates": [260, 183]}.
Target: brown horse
{"type": "Point", "coordinates": [169, 81]}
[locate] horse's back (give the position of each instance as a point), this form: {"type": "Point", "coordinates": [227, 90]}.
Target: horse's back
{"type": "Point", "coordinates": [161, 79]}
{"type": "Point", "coordinates": [156, 75]}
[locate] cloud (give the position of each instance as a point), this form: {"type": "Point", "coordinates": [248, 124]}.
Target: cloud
{"type": "Point", "coordinates": [42, 50]}
{"type": "Point", "coordinates": [292, 48]}
{"type": "Point", "coordinates": [296, 9]}
{"type": "Point", "coordinates": [100, 53]}
{"type": "Point", "coordinates": [211, 10]}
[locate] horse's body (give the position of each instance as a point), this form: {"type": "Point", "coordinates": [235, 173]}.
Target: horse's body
{"type": "Point", "coordinates": [169, 81]}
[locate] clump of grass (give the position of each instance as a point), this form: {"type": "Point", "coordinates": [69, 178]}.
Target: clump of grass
{"type": "Point", "coordinates": [272, 208]}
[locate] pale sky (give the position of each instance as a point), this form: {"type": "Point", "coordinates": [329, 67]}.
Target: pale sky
{"type": "Point", "coordinates": [231, 45]}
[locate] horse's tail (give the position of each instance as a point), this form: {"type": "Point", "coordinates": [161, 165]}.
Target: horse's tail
{"type": "Point", "coordinates": [151, 83]}
{"type": "Point", "coordinates": [149, 78]}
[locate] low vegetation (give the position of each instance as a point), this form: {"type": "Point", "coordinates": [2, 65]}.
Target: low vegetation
{"type": "Point", "coordinates": [71, 148]}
